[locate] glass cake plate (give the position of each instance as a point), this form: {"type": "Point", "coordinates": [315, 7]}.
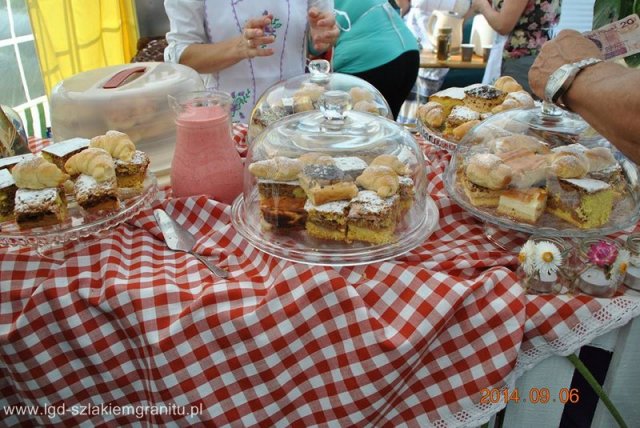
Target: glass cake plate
{"type": "Point", "coordinates": [435, 138]}
{"type": "Point", "coordinates": [79, 224]}
{"type": "Point", "coordinates": [297, 246]}
{"type": "Point", "coordinates": [481, 139]}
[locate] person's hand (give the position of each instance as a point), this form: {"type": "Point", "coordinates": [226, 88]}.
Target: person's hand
{"type": "Point", "coordinates": [254, 40]}
{"type": "Point", "coordinates": [323, 29]}
{"type": "Point", "coordinates": [568, 47]}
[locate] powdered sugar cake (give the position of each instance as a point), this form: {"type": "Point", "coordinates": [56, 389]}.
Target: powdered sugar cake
{"type": "Point", "coordinates": [94, 196]}
{"type": "Point", "coordinates": [327, 221]}
{"type": "Point", "coordinates": [372, 218]}
{"type": "Point", "coordinates": [37, 208]}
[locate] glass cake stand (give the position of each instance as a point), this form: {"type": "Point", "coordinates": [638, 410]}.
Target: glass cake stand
{"type": "Point", "coordinates": [298, 246]}
{"type": "Point", "coordinates": [50, 241]}
{"type": "Point", "coordinates": [557, 128]}
{"type": "Point", "coordinates": [435, 138]}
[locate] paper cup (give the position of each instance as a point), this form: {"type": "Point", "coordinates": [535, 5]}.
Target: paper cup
{"type": "Point", "coordinates": [467, 52]}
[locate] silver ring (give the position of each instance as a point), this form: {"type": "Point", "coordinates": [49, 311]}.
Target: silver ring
{"type": "Point", "coordinates": [249, 43]}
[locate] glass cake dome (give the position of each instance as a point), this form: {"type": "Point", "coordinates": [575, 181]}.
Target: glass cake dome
{"type": "Point", "coordinates": [302, 93]}
{"type": "Point", "coordinates": [335, 187]}
{"type": "Point", "coordinates": [549, 175]}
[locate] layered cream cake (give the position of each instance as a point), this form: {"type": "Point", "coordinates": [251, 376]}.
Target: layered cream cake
{"type": "Point", "coordinates": [525, 205]}
{"type": "Point", "coordinates": [583, 202]}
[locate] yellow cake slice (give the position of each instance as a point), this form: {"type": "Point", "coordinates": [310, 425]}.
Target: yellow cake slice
{"type": "Point", "coordinates": [583, 202]}
{"type": "Point", "coordinates": [448, 98]}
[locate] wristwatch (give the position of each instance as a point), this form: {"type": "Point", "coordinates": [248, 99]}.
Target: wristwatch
{"type": "Point", "coordinates": [560, 80]}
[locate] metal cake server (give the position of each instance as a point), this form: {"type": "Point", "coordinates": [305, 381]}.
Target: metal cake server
{"type": "Point", "coordinates": [180, 239]}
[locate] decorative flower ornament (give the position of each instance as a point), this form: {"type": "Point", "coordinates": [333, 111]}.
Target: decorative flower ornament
{"type": "Point", "coordinates": [542, 256]}
{"type": "Point", "coordinates": [527, 257]}
{"type": "Point", "coordinates": [607, 256]}
{"type": "Point", "coordinates": [548, 258]}
{"type": "Point", "coordinates": [619, 267]}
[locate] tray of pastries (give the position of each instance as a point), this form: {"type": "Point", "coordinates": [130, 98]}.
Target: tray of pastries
{"type": "Point", "coordinates": [451, 113]}
{"type": "Point", "coordinates": [508, 173]}
{"type": "Point", "coordinates": [73, 189]}
{"type": "Point", "coordinates": [343, 188]}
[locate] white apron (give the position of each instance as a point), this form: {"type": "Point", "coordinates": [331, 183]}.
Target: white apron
{"type": "Point", "coordinates": [247, 80]}
{"type": "Point", "coordinates": [494, 64]}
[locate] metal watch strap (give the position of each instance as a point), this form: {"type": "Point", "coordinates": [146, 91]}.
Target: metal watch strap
{"type": "Point", "coordinates": [560, 80]}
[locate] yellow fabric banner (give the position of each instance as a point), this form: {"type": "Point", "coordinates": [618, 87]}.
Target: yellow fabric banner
{"type": "Point", "coordinates": [72, 36]}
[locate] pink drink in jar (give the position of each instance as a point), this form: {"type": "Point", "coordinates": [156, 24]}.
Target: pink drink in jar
{"type": "Point", "coordinates": [205, 161]}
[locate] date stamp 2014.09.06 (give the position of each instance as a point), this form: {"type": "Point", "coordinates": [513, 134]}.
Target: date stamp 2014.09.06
{"type": "Point", "coordinates": [533, 395]}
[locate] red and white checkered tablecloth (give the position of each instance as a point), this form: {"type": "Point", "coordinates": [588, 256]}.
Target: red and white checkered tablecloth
{"type": "Point", "coordinates": [124, 321]}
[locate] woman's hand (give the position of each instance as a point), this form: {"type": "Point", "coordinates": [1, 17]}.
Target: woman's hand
{"type": "Point", "coordinates": [323, 29]}
{"type": "Point", "coordinates": [254, 41]}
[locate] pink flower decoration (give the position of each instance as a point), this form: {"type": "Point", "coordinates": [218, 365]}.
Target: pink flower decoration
{"type": "Point", "coordinates": [602, 254]}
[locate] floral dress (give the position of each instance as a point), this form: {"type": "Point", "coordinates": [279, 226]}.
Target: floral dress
{"type": "Point", "coordinates": [532, 29]}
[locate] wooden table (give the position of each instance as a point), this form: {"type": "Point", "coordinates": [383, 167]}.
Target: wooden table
{"type": "Point", "coordinates": [428, 59]}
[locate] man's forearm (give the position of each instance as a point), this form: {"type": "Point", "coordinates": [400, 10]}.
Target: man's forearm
{"type": "Point", "coordinates": [606, 96]}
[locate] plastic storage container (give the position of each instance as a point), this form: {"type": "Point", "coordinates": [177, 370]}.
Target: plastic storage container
{"type": "Point", "coordinates": [302, 93]}
{"type": "Point", "coordinates": [546, 174]}
{"type": "Point", "coordinates": [335, 187]}
{"type": "Point", "coordinates": [129, 98]}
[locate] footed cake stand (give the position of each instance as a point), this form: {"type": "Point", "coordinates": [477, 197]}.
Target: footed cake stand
{"type": "Point", "coordinates": [54, 241]}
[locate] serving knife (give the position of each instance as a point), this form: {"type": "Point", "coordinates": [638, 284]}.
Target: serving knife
{"type": "Point", "coordinates": [178, 238]}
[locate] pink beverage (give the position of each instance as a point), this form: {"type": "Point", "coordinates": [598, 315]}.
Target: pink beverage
{"type": "Point", "coordinates": [206, 161]}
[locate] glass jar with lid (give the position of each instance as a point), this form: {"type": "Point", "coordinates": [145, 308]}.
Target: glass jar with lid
{"type": "Point", "coordinates": [303, 92]}
{"type": "Point", "coordinates": [335, 187]}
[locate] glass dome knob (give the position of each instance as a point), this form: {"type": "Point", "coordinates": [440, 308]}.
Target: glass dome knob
{"type": "Point", "coordinates": [334, 105]}
{"type": "Point", "coordinates": [319, 69]}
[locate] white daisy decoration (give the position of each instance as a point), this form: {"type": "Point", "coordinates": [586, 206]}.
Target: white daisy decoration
{"type": "Point", "coordinates": [548, 258]}
{"type": "Point", "coordinates": [619, 267]}
{"type": "Point", "coordinates": [527, 257]}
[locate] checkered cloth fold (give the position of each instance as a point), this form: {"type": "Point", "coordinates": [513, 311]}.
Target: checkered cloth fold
{"type": "Point", "coordinates": [124, 321]}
